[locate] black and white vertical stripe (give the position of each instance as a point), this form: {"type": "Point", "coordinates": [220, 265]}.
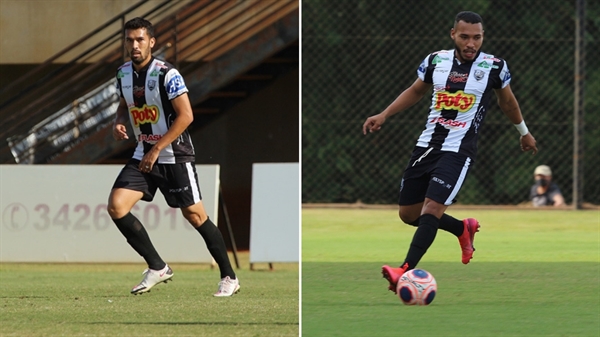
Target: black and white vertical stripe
{"type": "Point", "coordinates": [153, 88]}
{"type": "Point", "coordinates": [460, 99]}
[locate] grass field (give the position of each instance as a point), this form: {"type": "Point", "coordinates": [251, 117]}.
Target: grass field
{"type": "Point", "coordinates": [94, 300]}
{"type": "Point", "coordinates": [535, 273]}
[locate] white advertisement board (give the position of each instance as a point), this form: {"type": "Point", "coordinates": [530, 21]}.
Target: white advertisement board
{"type": "Point", "coordinates": [275, 218]}
{"type": "Point", "coordinates": [57, 213]}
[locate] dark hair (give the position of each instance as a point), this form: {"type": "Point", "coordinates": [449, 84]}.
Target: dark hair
{"type": "Point", "coordinates": [468, 17]}
{"type": "Point", "coordinates": [137, 23]}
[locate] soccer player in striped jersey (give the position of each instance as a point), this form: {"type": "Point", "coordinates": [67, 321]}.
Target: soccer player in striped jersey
{"type": "Point", "coordinates": [155, 103]}
{"type": "Point", "coordinates": [463, 80]}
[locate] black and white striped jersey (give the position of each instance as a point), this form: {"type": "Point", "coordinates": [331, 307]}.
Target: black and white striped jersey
{"type": "Point", "coordinates": [148, 94]}
{"type": "Point", "coordinates": [460, 99]}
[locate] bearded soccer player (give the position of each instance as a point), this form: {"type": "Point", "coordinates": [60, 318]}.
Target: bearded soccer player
{"type": "Point", "coordinates": [462, 80]}
{"type": "Point", "coordinates": [155, 103]}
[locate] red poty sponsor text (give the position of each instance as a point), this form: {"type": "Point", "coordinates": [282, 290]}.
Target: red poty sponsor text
{"type": "Point", "coordinates": [459, 100]}
{"type": "Point", "coordinates": [145, 114]}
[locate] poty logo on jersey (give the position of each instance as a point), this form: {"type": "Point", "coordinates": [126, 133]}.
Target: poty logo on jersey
{"type": "Point", "coordinates": [456, 77]}
{"type": "Point", "coordinates": [459, 100]}
{"type": "Point", "coordinates": [175, 84]}
{"type": "Point", "coordinates": [448, 122]}
{"type": "Point", "coordinates": [145, 114]}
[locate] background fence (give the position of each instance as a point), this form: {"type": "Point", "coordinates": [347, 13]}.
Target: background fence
{"type": "Point", "coordinates": [358, 55]}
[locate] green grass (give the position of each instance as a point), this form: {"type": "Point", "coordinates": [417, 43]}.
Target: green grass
{"type": "Point", "coordinates": [94, 300]}
{"type": "Point", "coordinates": [535, 273]}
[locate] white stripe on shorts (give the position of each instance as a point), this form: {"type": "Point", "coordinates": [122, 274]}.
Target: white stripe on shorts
{"type": "Point", "coordinates": [459, 182]}
{"type": "Point", "coordinates": [193, 183]}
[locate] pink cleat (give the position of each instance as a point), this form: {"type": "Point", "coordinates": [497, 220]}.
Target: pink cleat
{"type": "Point", "coordinates": [467, 238]}
{"type": "Point", "coordinates": [393, 275]}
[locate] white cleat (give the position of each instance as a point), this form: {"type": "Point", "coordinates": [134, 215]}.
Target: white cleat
{"type": "Point", "coordinates": [152, 278]}
{"type": "Point", "coordinates": [228, 287]}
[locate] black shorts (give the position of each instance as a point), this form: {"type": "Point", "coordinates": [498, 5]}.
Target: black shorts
{"type": "Point", "coordinates": [435, 174]}
{"type": "Point", "coordinates": [177, 182]}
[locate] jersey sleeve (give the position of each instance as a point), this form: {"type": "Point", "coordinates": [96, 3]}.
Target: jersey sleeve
{"type": "Point", "coordinates": [174, 84]}
{"type": "Point", "coordinates": [424, 72]}
{"type": "Point", "coordinates": [118, 85]}
{"type": "Point", "coordinates": [504, 75]}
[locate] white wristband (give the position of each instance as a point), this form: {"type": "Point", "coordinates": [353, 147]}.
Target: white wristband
{"type": "Point", "coordinates": [522, 128]}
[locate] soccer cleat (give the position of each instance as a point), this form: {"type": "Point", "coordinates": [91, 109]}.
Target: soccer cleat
{"type": "Point", "coordinates": [152, 278]}
{"type": "Point", "coordinates": [467, 238]}
{"type": "Point", "coordinates": [393, 275]}
{"type": "Point", "coordinates": [227, 287]}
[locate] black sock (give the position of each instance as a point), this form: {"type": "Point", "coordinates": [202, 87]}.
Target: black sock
{"type": "Point", "coordinates": [423, 238]}
{"type": "Point", "coordinates": [216, 246]}
{"type": "Point", "coordinates": [452, 225]}
{"type": "Point", "coordinates": [138, 238]}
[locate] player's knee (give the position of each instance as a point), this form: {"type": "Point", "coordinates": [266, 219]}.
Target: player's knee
{"type": "Point", "coordinates": [408, 219]}
{"type": "Point", "coordinates": [194, 218]}
{"type": "Point", "coordinates": [116, 212]}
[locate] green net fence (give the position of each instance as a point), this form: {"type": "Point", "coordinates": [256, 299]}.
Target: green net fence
{"type": "Point", "coordinates": [358, 55]}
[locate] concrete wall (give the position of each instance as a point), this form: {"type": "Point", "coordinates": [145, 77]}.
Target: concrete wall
{"type": "Point", "coordinates": [261, 129]}
{"type": "Point", "coordinates": [33, 30]}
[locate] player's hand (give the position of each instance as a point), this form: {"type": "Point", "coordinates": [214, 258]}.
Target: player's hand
{"type": "Point", "coordinates": [148, 160]}
{"type": "Point", "coordinates": [528, 143]}
{"type": "Point", "coordinates": [373, 123]}
{"type": "Point", "coordinates": [120, 132]}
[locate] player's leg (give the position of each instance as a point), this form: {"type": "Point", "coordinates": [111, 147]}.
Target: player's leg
{"type": "Point", "coordinates": [215, 243]}
{"type": "Point", "coordinates": [181, 190]}
{"type": "Point", "coordinates": [120, 203]}
{"type": "Point", "coordinates": [428, 224]}
{"type": "Point", "coordinates": [449, 176]}
{"type": "Point", "coordinates": [413, 188]}
{"type": "Point", "coordinates": [410, 214]}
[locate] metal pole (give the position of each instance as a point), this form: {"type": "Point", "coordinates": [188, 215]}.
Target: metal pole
{"type": "Point", "coordinates": [578, 107]}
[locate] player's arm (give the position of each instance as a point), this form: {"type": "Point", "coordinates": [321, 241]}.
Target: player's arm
{"type": "Point", "coordinates": [509, 105]}
{"type": "Point", "coordinates": [405, 100]}
{"type": "Point", "coordinates": [184, 117]}
{"type": "Point", "coordinates": [121, 118]}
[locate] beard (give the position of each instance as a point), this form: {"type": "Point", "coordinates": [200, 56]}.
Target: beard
{"type": "Point", "coordinates": [138, 59]}
{"type": "Point", "coordinates": [460, 52]}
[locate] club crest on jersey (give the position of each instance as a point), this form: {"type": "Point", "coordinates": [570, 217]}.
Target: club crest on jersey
{"type": "Point", "coordinates": [459, 101]}
{"type": "Point", "coordinates": [151, 84]}
{"type": "Point", "coordinates": [145, 114]}
{"type": "Point", "coordinates": [478, 75]}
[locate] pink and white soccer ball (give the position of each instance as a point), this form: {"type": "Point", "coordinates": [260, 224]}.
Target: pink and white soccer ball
{"type": "Point", "coordinates": [416, 287]}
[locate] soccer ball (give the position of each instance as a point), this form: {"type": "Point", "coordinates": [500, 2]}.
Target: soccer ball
{"type": "Point", "coordinates": [416, 286]}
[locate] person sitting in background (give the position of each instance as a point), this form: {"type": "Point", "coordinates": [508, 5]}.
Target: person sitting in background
{"type": "Point", "coordinates": [544, 192]}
